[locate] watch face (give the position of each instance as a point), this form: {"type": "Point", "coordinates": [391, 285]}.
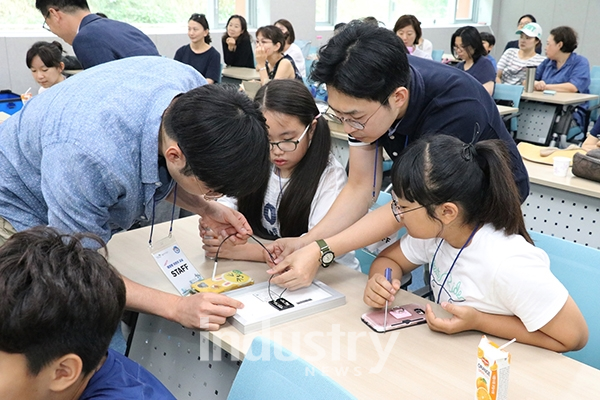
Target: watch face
{"type": "Point", "coordinates": [327, 258]}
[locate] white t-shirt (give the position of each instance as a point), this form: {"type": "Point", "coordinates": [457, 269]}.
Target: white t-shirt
{"type": "Point", "coordinates": [331, 184]}
{"type": "Point", "coordinates": [417, 52]}
{"type": "Point", "coordinates": [514, 68]}
{"type": "Point", "coordinates": [495, 274]}
{"type": "Point", "coordinates": [296, 53]}
{"type": "Point", "coordinates": [426, 46]}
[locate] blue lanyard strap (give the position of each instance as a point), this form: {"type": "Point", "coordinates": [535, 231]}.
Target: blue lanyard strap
{"type": "Point", "coordinates": [154, 212]}
{"type": "Point", "coordinates": [437, 300]}
{"type": "Point", "coordinates": [375, 171]}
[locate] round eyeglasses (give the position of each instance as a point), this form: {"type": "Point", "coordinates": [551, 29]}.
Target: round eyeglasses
{"type": "Point", "coordinates": [289, 145]}
{"type": "Point", "coordinates": [398, 213]}
{"type": "Point", "coordinates": [351, 122]}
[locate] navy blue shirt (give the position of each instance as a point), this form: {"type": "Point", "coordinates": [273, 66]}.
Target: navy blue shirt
{"type": "Point", "coordinates": [207, 63]}
{"type": "Point", "coordinates": [483, 70]}
{"type": "Point", "coordinates": [444, 100]}
{"type": "Point", "coordinates": [101, 40]}
{"type": "Point", "coordinates": [123, 379]}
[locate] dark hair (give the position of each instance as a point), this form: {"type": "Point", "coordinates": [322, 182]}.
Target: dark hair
{"type": "Point", "coordinates": [68, 6]}
{"type": "Point", "coordinates": [567, 36]}
{"type": "Point", "coordinates": [440, 168]}
{"type": "Point", "coordinates": [411, 20]}
{"type": "Point", "coordinates": [363, 53]}
{"type": "Point", "coordinates": [371, 20]}
{"type": "Point", "coordinates": [272, 33]}
{"type": "Point", "coordinates": [290, 36]}
{"type": "Point", "coordinates": [488, 37]}
{"type": "Point", "coordinates": [49, 53]}
{"type": "Point", "coordinates": [244, 35]}
{"type": "Point", "coordinates": [339, 27]}
{"type": "Point", "coordinates": [470, 39]}
{"type": "Point", "coordinates": [58, 297]}
{"type": "Point", "coordinates": [531, 17]}
{"type": "Point", "coordinates": [291, 97]}
{"type": "Point", "coordinates": [201, 19]}
{"type": "Point", "coordinates": [223, 136]}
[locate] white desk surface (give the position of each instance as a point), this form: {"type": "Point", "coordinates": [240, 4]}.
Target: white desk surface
{"type": "Point", "coordinates": [420, 364]}
{"type": "Point", "coordinates": [542, 174]}
{"type": "Point", "coordinates": [242, 73]}
{"type": "Point", "coordinates": [559, 97]}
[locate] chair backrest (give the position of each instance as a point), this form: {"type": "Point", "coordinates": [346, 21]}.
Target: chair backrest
{"type": "Point", "coordinates": [594, 89]}
{"type": "Point", "coordinates": [270, 371]}
{"type": "Point", "coordinates": [578, 268]}
{"type": "Point", "coordinates": [304, 46]}
{"type": "Point", "coordinates": [511, 93]}
{"type": "Point", "coordinates": [595, 72]}
{"type": "Point", "coordinates": [437, 55]}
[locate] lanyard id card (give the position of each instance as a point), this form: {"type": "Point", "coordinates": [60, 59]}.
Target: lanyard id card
{"type": "Point", "coordinates": [175, 265]}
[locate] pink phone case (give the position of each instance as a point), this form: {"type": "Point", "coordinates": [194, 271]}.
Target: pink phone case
{"type": "Point", "coordinates": [398, 317]}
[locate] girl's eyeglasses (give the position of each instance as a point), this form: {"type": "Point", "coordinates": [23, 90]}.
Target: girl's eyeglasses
{"type": "Point", "coordinates": [289, 145]}
{"type": "Point", "coordinates": [398, 213]}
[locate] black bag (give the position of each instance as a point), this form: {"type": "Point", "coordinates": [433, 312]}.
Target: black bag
{"type": "Point", "coordinates": [587, 166]}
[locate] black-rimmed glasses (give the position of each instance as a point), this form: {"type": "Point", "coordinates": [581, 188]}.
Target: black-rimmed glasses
{"type": "Point", "coordinates": [398, 213]}
{"type": "Point", "coordinates": [289, 145]}
{"type": "Point", "coordinates": [351, 122]}
{"type": "Point", "coordinates": [45, 25]}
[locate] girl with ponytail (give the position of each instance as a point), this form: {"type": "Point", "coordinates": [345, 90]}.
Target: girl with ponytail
{"type": "Point", "coordinates": [461, 208]}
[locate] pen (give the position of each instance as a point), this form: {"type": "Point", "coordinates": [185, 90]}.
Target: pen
{"type": "Point", "coordinates": [388, 276]}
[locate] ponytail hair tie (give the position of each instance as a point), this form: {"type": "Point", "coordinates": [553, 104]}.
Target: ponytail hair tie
{"type": "Point", "coordinates": [468, 151]}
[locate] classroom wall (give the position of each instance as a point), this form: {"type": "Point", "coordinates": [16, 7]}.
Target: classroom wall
{"type": "Point", "coordinates": [500, 17]}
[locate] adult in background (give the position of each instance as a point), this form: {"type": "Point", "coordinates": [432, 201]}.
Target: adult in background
{"type": "Point", "coordinates": [95, 40]}
{"type": "Point", "coordinates": [564, 70]}
{"type": "Point", "coordinates": [513, 64]}
{"type": "Point", "coordinates": [271, 62]}
{"type": "Point", "coordinates": [524, 20]}
{"type": "Point", "coordinates": [237, 43]}
{"type": "Point", "coordinates": [292, 49]}
{"type": "Point", "coordinates": [467, 45]}
{"type": "Point", "coordinates": [199, 53]}
{"type": "Point", "coordinates": [408, 28]}
{"type": "Point", "coordinates": [98, 151]}
{"type": "Point", "coordinates": [44, 59]}
{"type": "Point", "coordinates": [407, 97]}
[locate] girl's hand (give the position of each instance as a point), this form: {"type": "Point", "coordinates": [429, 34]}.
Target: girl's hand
{"type": "Point", "coordinates": [297, 270]}
{"type": "Point", "coordinates": [464, 318]}
{"type": "Point", "coordinates": [379, 289]}
{"type": "Point", "coordinates": [261, 57]}
{"type": "Point", "coordinates": [211, 245]}
{"type": "Point", "coordinates": [539, 85]}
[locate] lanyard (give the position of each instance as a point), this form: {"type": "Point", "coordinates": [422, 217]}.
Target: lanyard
{"type": "Point", "coordinates": [453, 262]}
{"type": "Point", "coordinates": [172, 216]}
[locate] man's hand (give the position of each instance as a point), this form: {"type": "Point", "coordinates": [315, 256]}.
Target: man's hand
{"type": "Point", "coordinates": [297, 270]}
{"type": "Point", "coordinates": [225, 221]}
{"type": "Point", "coordinates": [463, 318]}
{"type": "Point", "coordinates": [206, 311]}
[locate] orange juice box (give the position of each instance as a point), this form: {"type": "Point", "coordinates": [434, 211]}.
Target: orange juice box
{"type": "Point", "coordinates": [493, 365]}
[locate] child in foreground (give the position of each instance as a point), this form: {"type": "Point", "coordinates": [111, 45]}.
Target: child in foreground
{"type": "Point", "coordinates": [60, 307]}
{"type": "Point", "coordinates": [461, 209]}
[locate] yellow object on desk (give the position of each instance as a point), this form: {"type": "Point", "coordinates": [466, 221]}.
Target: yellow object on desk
{"type": "Point", "coordinates": [223, 283]}
{"type": "Point", "coordinates": [533, 153]}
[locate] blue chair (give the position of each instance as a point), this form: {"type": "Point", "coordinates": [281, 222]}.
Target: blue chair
{"type": "Point", "coordinates": [437, 55]}
{"type": "Point", "coordinates": [595, 72]}
{"type": "Point", "coordinates": [270, 371]}
{"type": "Point", "coordinates": [578, 268]}
{"type": "Point", "coordinates": [590, 113]}
{"type": "Point", "coordinates": [304, 46]}
{"type": "Point", "coordinates": [509, 95]}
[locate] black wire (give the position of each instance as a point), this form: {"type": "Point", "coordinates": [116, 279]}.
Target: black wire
{"type": "Point", "coordinates": [270, 255]}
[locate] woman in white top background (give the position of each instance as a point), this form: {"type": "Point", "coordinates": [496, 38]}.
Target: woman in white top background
{"type": "Point", "coordinates": [512, 66]}
{"type": "Point", "coordinates": [408, 28]}
{"type": "Point", "coordinates": [291, 48]}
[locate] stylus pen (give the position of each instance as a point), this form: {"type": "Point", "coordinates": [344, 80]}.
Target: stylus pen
{"type": "Point", "coordinates": [388, 276]}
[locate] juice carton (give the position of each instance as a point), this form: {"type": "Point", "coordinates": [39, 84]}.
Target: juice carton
{"type": "Point", "coordinates": [493, 365]}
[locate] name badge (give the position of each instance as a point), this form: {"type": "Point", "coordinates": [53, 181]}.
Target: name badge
{"type": "Point", "coordinates": [175, 265]}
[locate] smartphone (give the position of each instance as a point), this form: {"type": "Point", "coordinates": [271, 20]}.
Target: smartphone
{"type": "Point", "coordinates": [398, 317]}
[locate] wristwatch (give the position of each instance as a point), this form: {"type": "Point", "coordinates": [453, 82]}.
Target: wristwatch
{"type": "Point", "coordinates": [327, 256]}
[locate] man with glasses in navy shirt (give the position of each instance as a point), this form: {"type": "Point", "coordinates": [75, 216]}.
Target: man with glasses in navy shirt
{"type": "Point", "coordinates": [386, 99]}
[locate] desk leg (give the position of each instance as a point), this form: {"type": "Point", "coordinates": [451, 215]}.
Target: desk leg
{"type": "Point", "coordinates": [185, 361]}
